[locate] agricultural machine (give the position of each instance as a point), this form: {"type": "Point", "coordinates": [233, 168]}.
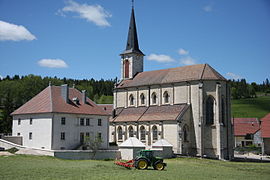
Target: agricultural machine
{"type": "Point", "coordinates": [143, 161]}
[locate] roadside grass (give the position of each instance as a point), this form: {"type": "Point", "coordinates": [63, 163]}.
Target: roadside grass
{"type": "Point", "coordinates": [251, 107]}
{"type": "Point", "coordinates": [42, 167]}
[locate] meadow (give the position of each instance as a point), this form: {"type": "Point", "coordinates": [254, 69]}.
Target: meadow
{"type": "Point", "coordinates": [42, 167]}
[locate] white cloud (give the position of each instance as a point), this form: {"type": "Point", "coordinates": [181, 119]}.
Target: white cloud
{"type": "Point", "coordinates": [160, 58]}
{"type": "Point", "coordinates": [92, 13]}
{"type": "Point", "coordinates": [187, 61]}
{"type": "Point", "coordinates": [233, 76]}
{"type": "Point", "coordinates": [52, 63]}
{"type": "Point", "coordinates": [1, 77]}
{"type": "Point", "coordinates": [183, 51]}
{"type": "Point", "coordinates": [208, 8]}
{"type": "Point", "coordinates": [14, 32]}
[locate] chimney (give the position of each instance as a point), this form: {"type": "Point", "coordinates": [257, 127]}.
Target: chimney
{"type": "Point", "coordinates": [64, 92]}
{"type": "Point", "coordinates": [84, 96]}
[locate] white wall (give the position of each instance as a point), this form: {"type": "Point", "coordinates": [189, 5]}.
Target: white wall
{"type": "Point", "coordinates": [41, 129]}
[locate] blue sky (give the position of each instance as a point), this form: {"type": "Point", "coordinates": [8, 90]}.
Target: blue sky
{"type": "Point", "coordinates": [82, 39]}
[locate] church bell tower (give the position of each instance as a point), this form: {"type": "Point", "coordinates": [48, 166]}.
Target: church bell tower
{"type": "Point", "coordinates": [132, 57]}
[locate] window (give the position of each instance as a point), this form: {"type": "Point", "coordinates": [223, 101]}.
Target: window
{"type": "Point", "coordinates": [99, 136]}
{"type": "Point", "coordinates": [82, 121]}
{"type": "Point", "coordinates": [18, 134]}
{"type": "Point", "coordinates": [19, 121]}
{"type": "Point", "coordinates": [154, 98]}
{"type": "Point", "coordinates": [185, 133]}
{"type": "Point", "coordinates": [142, 132]}
{"type": "Point", "coordinates": [99, 122]}
{"type": "Point", "coordinates": [155, 133]}
{"type": "Point", "coordinates": [131, 100]}
{"type": "Point", "coordinates": [31, 121]}
{"type": "Point", "coordinates": [130, 131]}
{"type": "Point", "coordinates": [166, 97]}
{"type": "Point", "coordinates": [223, 111]}
{"type": "Point", "coordinates": [81, 137]}
{"type": "Point", "coordinates": [63, 136]}
{"type": "Point", "coordinates": [142, 99]}
{"type": "Point", "coordinates": [120, 133]}
{"type": "Point", "coordinates": [126, 64]}
{"type": "Point", "coordinates": [30, 135]}
{"type": "Point", "coordinates": [87, 122]}
{"type": "Point", "coordinates": [63, 121]}
{"type": "Point", "coordinates": [210, 110]}
{"type": "Point", "coordinates": [87, 134]}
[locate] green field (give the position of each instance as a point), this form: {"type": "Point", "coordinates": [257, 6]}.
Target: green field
{"type": "Point", "coordinates": [251, 107]}
{"type": "Point", "coordinates": [41, 167]}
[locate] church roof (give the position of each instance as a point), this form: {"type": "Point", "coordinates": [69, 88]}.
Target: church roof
{"type": "Point", "coordinates": [152, 113]}
{"type": "Point", "coordinates": [132, 142]}
{"type": "Point", "coordinates": [132, 41]}
{"type": "Point", "coordinates": [50, 101]}
{"type": "Point", "coordinates": [173, 75]}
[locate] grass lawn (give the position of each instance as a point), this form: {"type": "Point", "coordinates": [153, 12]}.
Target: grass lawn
{"type": "Point", "coordinates": [251, 107]}
{"type": "Point", "coordinates": [41, 167]}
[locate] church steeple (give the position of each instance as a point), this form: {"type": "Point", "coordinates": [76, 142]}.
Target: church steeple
{"type": "Point", "coordinates": [132, 40]}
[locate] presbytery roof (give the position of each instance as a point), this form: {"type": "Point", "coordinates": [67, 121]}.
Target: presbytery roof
{"type": "Point", "coordinates": [172, 75]}
{"type": "Point", "coordinates": [50, 101]}
{"type": "Point", "coordinates": [244, 126]}
{"type": "Point", "coordinates": [151, 113]}
{"type": "Point", "coordinates": [265, 126]}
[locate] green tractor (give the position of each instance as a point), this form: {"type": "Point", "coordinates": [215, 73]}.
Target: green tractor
{"type": "Point", "coordinates": [146, 158]}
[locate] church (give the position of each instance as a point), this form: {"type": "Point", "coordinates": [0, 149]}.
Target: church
{"type": "Point", "coordinates": [188, 106]}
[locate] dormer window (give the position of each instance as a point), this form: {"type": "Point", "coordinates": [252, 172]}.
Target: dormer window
{"type": "Point", "coordinates": [142, 99]}
{"type": "Point", "coordinates": [166, 97]}
{"type": "Point", "coordinates": [131, 100]}
{"type": "Point", "coordinates": [154, 98]}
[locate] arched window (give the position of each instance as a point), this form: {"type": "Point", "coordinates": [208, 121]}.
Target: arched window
{"type": "Point", "coordinates": [223, 111]}
{"type": "Point", "coordinates": [142, 132]}
{"type": "Point", "coordinates": [131, 100]}
{"type": "Point", "coordinates": [155, 133]}
{"type": "Point", "coordinates": [120, 133]}
{"type": "Point", "coordinates": [142, 99]}
{"type": "Point", "coordinates": [130, 131]}
{"type": "Point", "coordinates": [126, 64]}
{"type": "Point", "coordinates": [210, 110]}
{"type": "Point", "coordinates": [166, 97]}
{"type": "Point", "coordinates": [185, 133]}
{"type": "Point", "coordinates": [154, 98]}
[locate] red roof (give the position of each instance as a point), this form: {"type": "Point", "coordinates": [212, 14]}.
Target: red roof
{"type": "Point", "coordinates": [244, 126]}
{"type": "Point", "coordinates": [266, 126]}
{"type": "Point", "coordinates": [107, 107]}
{"type": "Point", "coordinates": [50, 101]}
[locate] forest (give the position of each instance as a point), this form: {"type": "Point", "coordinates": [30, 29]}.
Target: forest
{"type": "Point", "coordinates": [17, 90]}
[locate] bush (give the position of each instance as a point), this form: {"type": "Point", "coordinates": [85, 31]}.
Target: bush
{"type": "Point", "coordinates": [12, 150]}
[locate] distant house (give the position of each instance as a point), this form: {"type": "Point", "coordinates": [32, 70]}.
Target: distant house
{"type": "Point", "coordinates": [247, 132]}
{"type": "Point", "coordinates": [265, 127]}
{"type": "Point", "coordinates": [60, 117]}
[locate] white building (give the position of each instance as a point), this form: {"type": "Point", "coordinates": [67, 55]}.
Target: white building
{"type": "Point", "coordinates": [188, 106]}
{"type": "Point", "coordinates": [60, 117]}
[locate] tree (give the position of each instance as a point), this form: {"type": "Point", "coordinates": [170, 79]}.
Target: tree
{"type": "Point", "coordinates": [93, 143]}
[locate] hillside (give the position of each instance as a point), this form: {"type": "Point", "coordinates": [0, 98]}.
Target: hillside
{"type": "Point", "coordinates": [251, 107]}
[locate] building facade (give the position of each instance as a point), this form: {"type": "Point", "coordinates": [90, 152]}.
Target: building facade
{"type": "Point", "coordinates": [60, 118]}
{"type": "Point", "coordinates": [188, 106]}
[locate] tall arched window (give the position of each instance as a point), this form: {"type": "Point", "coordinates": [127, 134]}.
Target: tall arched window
{"type": "Point", "coordinates": [155, 133]}
{"type": "Point", "coordinates": [130, 131]}
{"type": "Point", "coordinates": [185, 133]}
{"type": "Point", "coordinates": [154, 98]}
{"type": "Point", "coordinates": [166, 97]}
{"type": "Point", "coordinates": [126, 64]}
{"type": "Point", "coordinates": [142, 99]}
{"type": "Point", "coordinates": [142, 132]}
{"type": "Point", "coordinates": [223, 111]}
{"type": "Point", "coordinates": [210, 110]}
{"type": "Point", "coordinates": [120, 133]}
{"type": "Point", "coordinates": [131, 100]}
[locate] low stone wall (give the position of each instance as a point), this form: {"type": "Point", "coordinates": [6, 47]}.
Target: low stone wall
{"type": "Point", "coordinates": [7, 145]}
{"type": "Point", "coordinates": [13, 139]}
{"type": "Point", "coordinates": [87, 154]}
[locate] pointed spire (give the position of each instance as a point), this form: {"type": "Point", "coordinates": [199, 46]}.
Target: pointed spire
{"type": "Point", "coordinates": [132, 41]}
